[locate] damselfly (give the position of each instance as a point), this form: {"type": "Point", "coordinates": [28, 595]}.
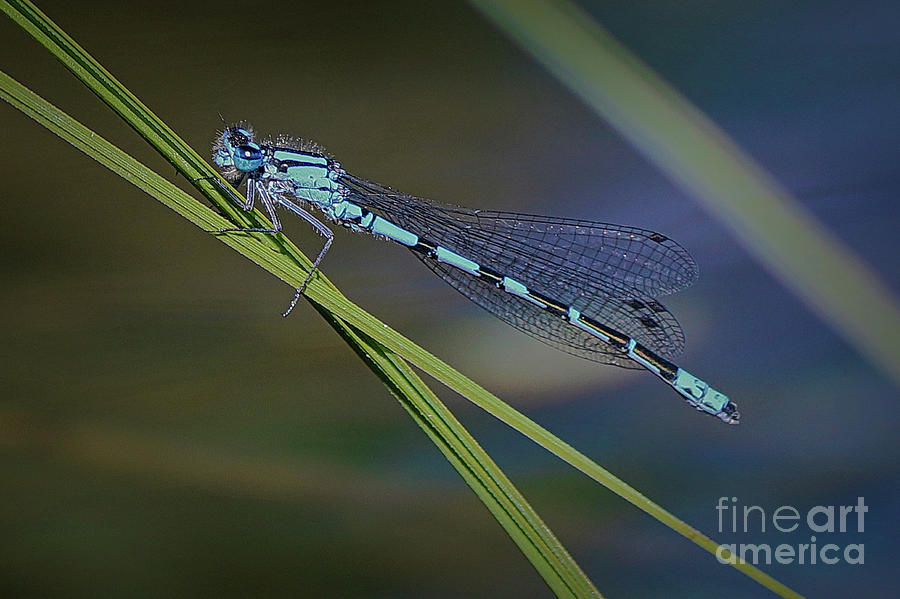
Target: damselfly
{"type": "Point", "coordinates": [584, 287]}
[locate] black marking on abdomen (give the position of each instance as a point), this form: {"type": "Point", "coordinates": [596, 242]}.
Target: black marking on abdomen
{"type": "Point", "coordinates": [424, 247]}
{"type": "Point", "coordinates": [490, 274]}
{"type": "Point", "coordinates": [667, 370]}
{"type": "Point", "coordinates": [550, 304]}
{"type": "Point", "coordinates": [616, 339]}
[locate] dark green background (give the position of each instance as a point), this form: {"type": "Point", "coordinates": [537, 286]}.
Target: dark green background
{"type": "Point", "coordinates": [163, 432]}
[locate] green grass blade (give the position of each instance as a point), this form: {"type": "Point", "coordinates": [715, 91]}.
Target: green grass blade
{"type": "Point", "coordinates": [688, 146]}
{"type": "Point", "coordinates": [477, 468]}
{"type": "Point", "coordinates": [499, 495]}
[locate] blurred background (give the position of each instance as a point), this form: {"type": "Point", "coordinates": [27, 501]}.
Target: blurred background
{"type": "Point", "coordinates": [164, 432]}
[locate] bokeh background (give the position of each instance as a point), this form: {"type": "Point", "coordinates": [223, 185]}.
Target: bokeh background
{"type": "Point", "coordinates": [164, 432]}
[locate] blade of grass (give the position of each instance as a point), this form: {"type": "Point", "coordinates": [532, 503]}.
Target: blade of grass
{"type": "Point", "coordinates": [289, 264]}
{"type": "Point", "coordinates": [480, 472]}
{"type": "Point", "coordinates": [493, 488]}
{"type": "Point", "coordinates": [687, 145]}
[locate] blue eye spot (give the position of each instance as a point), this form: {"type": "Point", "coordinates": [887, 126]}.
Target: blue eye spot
{"type": "Point", "coordinates": [249, 152]}
{"type": "Point", "coordinates": [247, 157]}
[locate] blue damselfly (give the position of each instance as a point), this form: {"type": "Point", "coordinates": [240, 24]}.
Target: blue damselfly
{"type": "Point", "coordinates": [584, 287]}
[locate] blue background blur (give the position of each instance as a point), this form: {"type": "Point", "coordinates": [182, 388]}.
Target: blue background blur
{"type": "Point", "coordinates": [164, 432]}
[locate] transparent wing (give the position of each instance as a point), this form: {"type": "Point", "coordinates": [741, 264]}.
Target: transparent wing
{"type": "Point", "coordinates": [608, 272]}
{"type": "Point", "coordinates": [626, 257]}
{"type": "Point", "coordinates": [529, 318]}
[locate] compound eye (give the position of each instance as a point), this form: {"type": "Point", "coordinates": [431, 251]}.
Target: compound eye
{"type": "Point", "coordinates": [248, 152]}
